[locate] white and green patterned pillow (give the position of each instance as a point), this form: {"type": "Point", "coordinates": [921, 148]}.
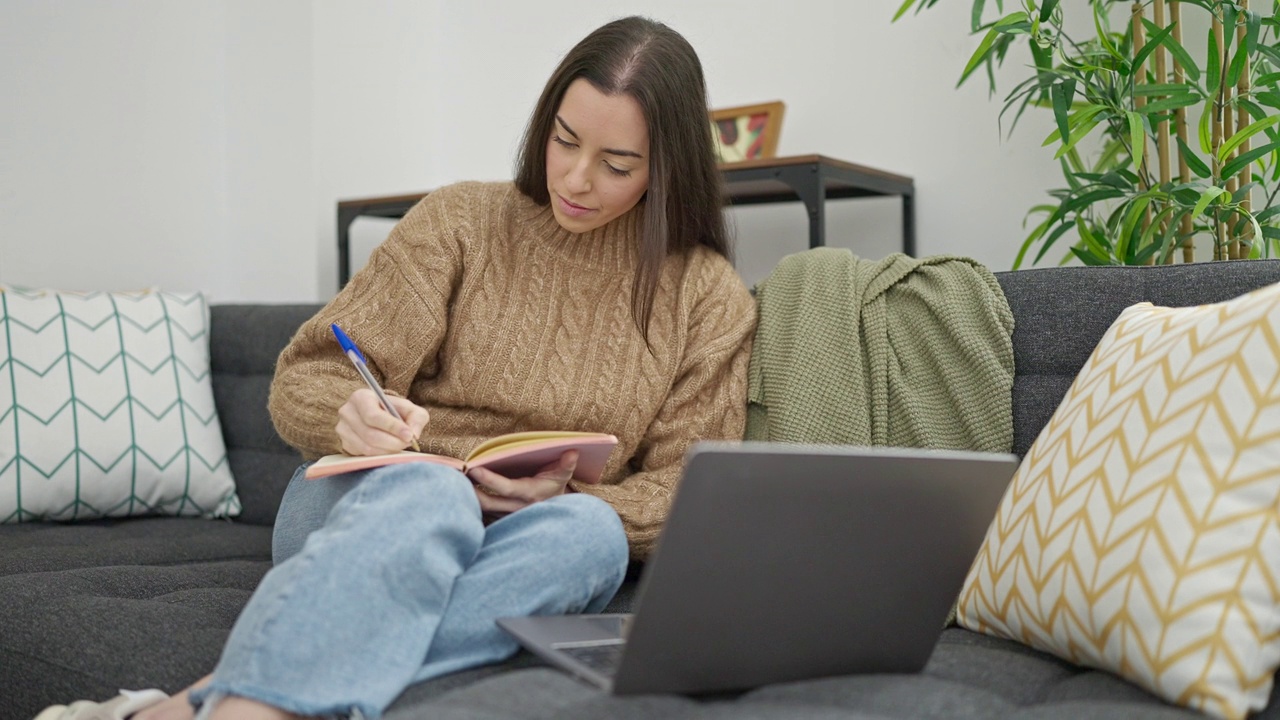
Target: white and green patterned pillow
{"type": "Point", "coordinates": [106, 407]}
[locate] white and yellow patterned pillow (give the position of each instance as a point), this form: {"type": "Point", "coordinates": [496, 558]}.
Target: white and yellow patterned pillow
{"type": "Point", "coordinates": [1141, 533]}
{"type": "Point", "coordinates": [106, 407]}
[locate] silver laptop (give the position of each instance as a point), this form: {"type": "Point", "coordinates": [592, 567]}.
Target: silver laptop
{"type": "Point", "coordinates": [786, 562]}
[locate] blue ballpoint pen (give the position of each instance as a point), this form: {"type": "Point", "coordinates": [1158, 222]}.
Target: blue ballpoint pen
{"type": "Point", "coordinates": [357, 358]}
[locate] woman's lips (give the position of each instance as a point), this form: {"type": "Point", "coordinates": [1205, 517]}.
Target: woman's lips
{"type": "Point", "coordinates": [571, 209]}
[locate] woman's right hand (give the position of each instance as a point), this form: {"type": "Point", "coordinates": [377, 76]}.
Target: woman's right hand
{"type": "Point", "coordinates": [366, 428]}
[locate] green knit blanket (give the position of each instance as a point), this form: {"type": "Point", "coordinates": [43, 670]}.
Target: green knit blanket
{"type": "Point", "coordinates": [901, 352]}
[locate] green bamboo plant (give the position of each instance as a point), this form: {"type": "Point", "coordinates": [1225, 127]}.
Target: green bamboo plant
{"type": "Point", "coordinates": [1152, 188]}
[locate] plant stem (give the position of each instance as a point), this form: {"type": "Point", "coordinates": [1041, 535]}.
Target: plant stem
{"type": "Point", "coordinates": [1186, 227]}
{"type": "Point", "coordinates": [1243, 87]}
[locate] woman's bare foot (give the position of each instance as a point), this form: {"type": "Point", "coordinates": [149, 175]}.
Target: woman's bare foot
{"type": "Point", "coordinates": [179, 707]}
{"type": "Point", "coordinates": [238, 708]}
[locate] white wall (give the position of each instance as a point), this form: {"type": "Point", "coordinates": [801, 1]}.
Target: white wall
{"type": "Point", "coordinates": [147, 143]}
{"type": "Point", "coordinates": [205, 145]}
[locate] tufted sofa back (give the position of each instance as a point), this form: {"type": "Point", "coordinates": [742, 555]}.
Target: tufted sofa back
{"type": "Point", "coordinates": [1060, 315]}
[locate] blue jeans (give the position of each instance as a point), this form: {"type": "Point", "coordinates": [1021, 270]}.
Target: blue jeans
{"type": "Point", "coordinates": [386, 577]}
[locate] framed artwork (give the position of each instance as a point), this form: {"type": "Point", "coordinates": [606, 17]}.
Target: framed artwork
{"type": "Point", "coordinates": [748, 132]}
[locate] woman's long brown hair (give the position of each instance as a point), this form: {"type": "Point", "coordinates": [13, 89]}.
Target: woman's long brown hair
{"type": "Point", "coordinates": [657, 67]}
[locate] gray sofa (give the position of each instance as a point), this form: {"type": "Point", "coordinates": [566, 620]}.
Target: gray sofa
{"type": "Point", "coordinates": [91, 607]}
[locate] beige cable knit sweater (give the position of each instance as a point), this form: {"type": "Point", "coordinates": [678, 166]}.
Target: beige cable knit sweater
{"type": "Point", "coordinates": [482, 309]}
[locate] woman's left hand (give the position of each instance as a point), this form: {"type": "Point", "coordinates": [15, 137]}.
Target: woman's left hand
{"type": "Point", "coordinates": [502, 495]}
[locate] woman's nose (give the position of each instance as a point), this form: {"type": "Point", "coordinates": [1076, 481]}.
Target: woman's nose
{"type": "Point", "coordinates": [578, 179]}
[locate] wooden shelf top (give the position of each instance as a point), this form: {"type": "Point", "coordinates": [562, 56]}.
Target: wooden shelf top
{"type": "Point", "coordinates": [848, 180]}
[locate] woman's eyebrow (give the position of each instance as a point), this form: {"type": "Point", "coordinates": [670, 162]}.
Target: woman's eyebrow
{"type": "Point", "coordinates": [566, 127]}
{"type": "Point", "coordinates": [611, 151]}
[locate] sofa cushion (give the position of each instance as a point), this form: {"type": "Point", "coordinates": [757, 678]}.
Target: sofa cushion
{"type": "Point", "coordinates": [1142, 529]}
{"type": "Point", "coordinates": [87, 632]}
{"type": "Point", "coordinates": [96, 606]}
{"type": "Point", "coordinates": [107, 407]}
{"type": "Point", "coordinates": [47, 547]}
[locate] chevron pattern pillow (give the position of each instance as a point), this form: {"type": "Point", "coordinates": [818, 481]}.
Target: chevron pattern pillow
{"type": "Point", "coordinates": [1141, 533]}
{"type": "Point", "coordinates": [106, 407]}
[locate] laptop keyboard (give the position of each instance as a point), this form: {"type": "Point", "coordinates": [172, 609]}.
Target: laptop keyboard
{"type": "Point", "coordinates": [603, 658]}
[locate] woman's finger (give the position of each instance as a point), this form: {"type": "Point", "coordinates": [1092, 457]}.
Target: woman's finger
{"type": "Point", "coordinates": [366, 428]}
{"type": "Point", "coordinates": [495, 485]}
{"type": "Point", "coordinates": [498, 504]}
{"type": "Point", "coordinates": [415, 417]}
{"type": "Point", "coordinates": [503, 494]}
{"type": "Point", "coordinates": [375, 416]}
{"type": "Point", "coordinates": [562, 467]}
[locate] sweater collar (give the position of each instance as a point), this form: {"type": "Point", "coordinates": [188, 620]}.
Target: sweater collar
{"type": "Point", "coordinates": [611, 248]}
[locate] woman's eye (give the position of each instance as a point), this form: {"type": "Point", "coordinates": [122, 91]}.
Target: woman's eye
{"type": "Point", "coordinates": [618, 172]}
{"type": "Point", "coordinates": [563, 142]}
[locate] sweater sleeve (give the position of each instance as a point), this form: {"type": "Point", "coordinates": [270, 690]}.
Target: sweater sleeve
{"type": "Point", "coordinates": [706, 402]}
{"type": "Point", "coordinates": [395, 309]}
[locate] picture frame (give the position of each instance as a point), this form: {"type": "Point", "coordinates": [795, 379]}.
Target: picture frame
{"type": "Point", "coordinates": [747, 132]}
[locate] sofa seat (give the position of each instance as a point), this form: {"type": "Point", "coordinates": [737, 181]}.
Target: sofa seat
{"type": "Point", "coordinates": [90, 608]}
{"type": "Point", "coordinates": [969, 676]}
{"type": "Point", "coordinates": [46, 547]}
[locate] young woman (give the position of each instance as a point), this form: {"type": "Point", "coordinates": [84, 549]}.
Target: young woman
{"type": "Point", "coordinates": [593, 293]}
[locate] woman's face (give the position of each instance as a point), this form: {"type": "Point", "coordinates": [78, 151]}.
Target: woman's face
{"type": "Point", "coordinates": [597, 157]}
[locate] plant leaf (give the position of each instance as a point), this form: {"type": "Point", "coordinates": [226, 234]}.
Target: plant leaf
{"type": "Point", "coordinates": [1228, 26]}
{"type": "Point", "coordinates": [1097, 245]}
{"type": "Point", "coordinates": [1080, 202]}
{"type": "Point", "coordinates": [975, 17]}
{"type": "Point", "coordinates": [1077, 134]}
{"type": "Point", "coordinates": [978, 55]}
{"type": "Point", "coordinates": [1170, 103]}
{"type": "Point", "coordinates": [1063, 93]}
{"type": "Point", "coordinates": [1104, 34]}
{"type": "Point", "coordinates": [1206, 197]}
{"type": "Point", "coordinates": [1237, 66]}
{"type": "Point", "coordinates": [1137, 137]}
{"type": "Point", "coordinates": [1245, 133]}
{"type": "Point", "coordinates": [1268, 98]}
{"type": "Point", "coordinates": [1156, 222]}
{"type": "Point", "coordinates": [1205, 146]}
{"type": "Point", "coordinates": [1076, 118]}
{"type": "Point", "coordinates": [1073, 159]}
{"type": "Point", "coordinates": [1253, 24]}
{"type": "Point", "coordinates": [1255, 112]}
{"type": "Point", "coordinates": [1143, 254]}
{"type": "Point", "coordinates": [1179, 54]}
{"type": "Point", "coordinates": [1257, 229]}
{"type": "Point", "coordinates": [1148, 89]}
{"type": "Point", "coordinates": [902, 10]}
{"type": "Point", "coordinates": [1236, 165]}
{"type": "Point", "coordinates": [1214, 64]}
{"type": "Point", "coordinates": [1271, 52]}
{"type": "Point", "coordinates": [1044, 68]}
{"type": "Point", "coordinates": [1153, 42]}
{"type": "Point", "coordinates": [1031, 239]}
{"type": "Point", "coordinates": [1087, 258]}
{"type": "Point", "coordinates": [1057, 232]}
{"type": "Point", "coordinates": [984, 48]}
{"type": "Point", "coordinates": [1239, 195]}
{"type": "Point", "coordinates": [1267, 214]}
{"type": "Point", "coordinates": [1046, 10]}
{"type": "Point", "coordinates": [1193, 161]}
{"type": "Point", "coordinates": [1137, 209]}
